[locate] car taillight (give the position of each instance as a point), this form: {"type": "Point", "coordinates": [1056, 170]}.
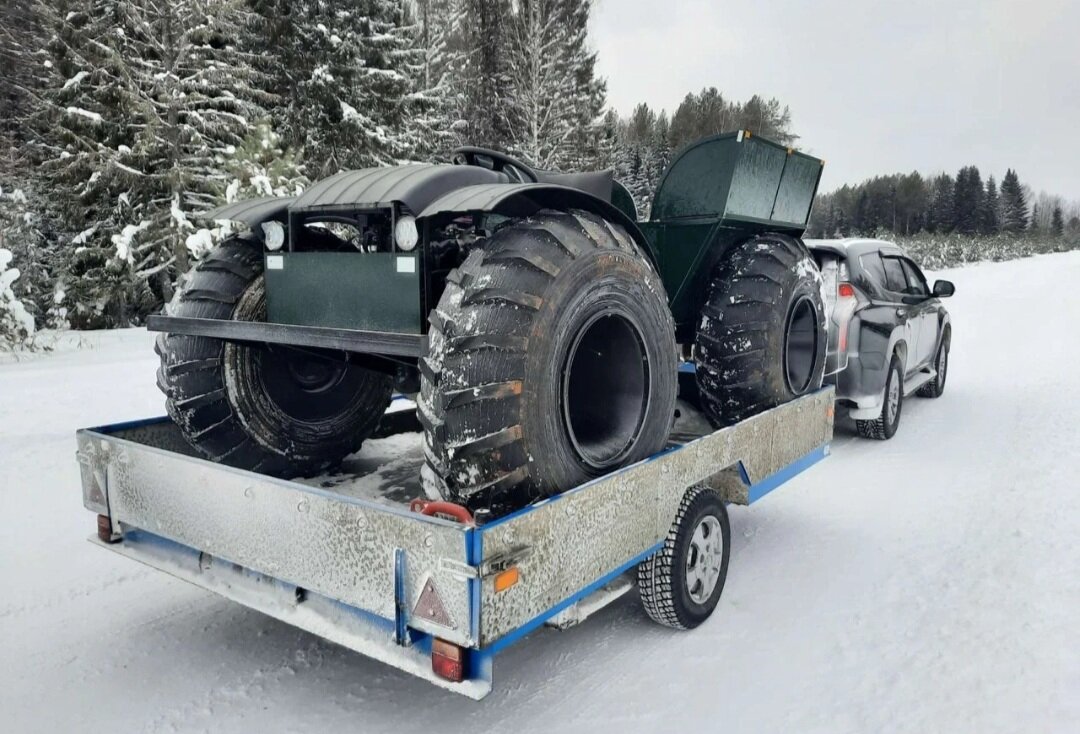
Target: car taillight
{"type": "Point", "coordinates": [447, 660]}
{"type": "Point", "coordinates": [847, 298]}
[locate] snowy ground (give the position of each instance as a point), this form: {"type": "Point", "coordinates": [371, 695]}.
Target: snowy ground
{"type": "Point", "coordinates": [927, 584]}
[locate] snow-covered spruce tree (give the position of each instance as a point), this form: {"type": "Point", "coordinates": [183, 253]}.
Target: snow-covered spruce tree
{"type": "Point", "coordinates": [149, 102]}
{"type": "Point", "coordinates": [484, 76]}
{"type": "Point", "coordinates": [538, 117]}
{"type": "Point", "coordinates": [27, 236]}
{"type": "Point", "coordinates": [991, 212]}
{"type": "Point", "coordinates": [344, 93]}
{"type": "Point", "coordinates": [435, 108]}
{"type": "Point", "coordinates": [16, 323]}
{"type": "Point", "coordinates": [1014, 210]}
{"type": "Point", "coordinates": [587, 92]}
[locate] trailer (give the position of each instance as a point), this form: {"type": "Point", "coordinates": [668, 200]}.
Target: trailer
{"type": "Point", "coordinates": [360, 558]}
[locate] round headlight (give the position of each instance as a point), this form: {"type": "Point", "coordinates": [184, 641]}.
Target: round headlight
{"type": "Point", "coordinates": [405, 233]}
{"type": "Point", "coordinates": [273, 235]}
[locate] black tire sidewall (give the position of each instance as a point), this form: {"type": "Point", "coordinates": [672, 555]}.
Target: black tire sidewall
{"type": "Point", "coordinates": [602, 281]}
{"type": "Point", "coordinates": [774, 273]}
{"type": "Point", "coordinates": [896, 372]}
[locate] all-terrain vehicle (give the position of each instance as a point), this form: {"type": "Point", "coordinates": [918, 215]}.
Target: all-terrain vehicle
{"type": "Point", "coordinates": [538, 324]}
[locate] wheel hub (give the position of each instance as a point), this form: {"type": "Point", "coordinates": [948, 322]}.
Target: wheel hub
{"type": "Point", "coordinates": [800, 346]}
{"type": "Point", "coordinates": [704, 559]}
{"type": "Point", "coordinates": [605, 389]}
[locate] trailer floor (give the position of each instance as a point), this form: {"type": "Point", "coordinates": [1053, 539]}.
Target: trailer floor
{"type": "Point", "coordinates": [924, 584]}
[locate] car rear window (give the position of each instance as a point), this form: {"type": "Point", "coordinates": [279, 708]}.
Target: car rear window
{"type": "Point", "coordinates": [871, 265]}
{"type": "Point", "coordinates": [894, 275]}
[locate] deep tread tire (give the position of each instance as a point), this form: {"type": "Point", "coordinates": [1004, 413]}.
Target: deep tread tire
{"type": "Point", "coordinates": [936, 386]}
{"type": "Point", "coordinates": [740, 346]}
{"type": "Point", "coordinates": [491, 384]}
{"type": "Point", "coordinates": [881, 428]}
{"type": "Point", "coordinates": [662, 582]}
{"type": "Point", "coordinates": [215, 394]}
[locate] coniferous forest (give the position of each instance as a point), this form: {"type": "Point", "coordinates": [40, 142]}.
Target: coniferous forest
{"type": "Point", "coordinates": [122, 120]}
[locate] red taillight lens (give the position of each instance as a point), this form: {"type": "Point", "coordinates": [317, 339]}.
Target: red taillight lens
{"type": "Point", "coordinates": [447, 660]}
{"type": "Point", "coordinates": [845, 290]}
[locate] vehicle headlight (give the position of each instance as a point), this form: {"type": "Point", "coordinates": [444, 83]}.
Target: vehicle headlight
{"type": "Point", "coordinates": [273, 235]}
{"type": "Point", "coordinates": [405, 233]}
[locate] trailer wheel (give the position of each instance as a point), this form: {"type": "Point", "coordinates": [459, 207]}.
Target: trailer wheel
{"type": "Point", "coordinates": [681, 584]}
{"type": "Point", "coordinates": [761, 337]}
{"type": "Point", "coordinates": [551, 360]}
{"type": "Point", "coordinates": [276, 411]}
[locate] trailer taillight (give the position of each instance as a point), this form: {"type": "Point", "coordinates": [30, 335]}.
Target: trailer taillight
{"type": "Point", "coordinates": [447, 660]}
{"type": "Point", "coordinates": [845, 290]}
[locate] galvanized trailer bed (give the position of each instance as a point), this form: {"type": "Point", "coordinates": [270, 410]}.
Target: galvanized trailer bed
{"type": "Point", "coordinates": [342, 556]}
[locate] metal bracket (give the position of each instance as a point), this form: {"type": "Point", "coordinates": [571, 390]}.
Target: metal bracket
{"type": "Point", "coordinates": [496, 564]}
{"type": "Point", "coordinates": [502, 561]}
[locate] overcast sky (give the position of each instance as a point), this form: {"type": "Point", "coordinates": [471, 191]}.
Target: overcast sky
{"type": "Point", "coordinates": [873, 86]}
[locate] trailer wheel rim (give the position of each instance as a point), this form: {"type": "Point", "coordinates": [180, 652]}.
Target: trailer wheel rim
{"type": "Point", "coordinates": [605, 389]}
{"type": "Point", "coordinates": [704, 559]}
{"type": "Point", "coordinates": [800, 345]}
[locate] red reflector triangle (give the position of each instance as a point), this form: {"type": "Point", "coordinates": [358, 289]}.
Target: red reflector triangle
{"type": "Point", "coordinates": [430, 606]}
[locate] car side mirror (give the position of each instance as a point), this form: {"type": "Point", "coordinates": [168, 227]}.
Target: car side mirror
{"type": "Point", "coordinates": [944, 288]}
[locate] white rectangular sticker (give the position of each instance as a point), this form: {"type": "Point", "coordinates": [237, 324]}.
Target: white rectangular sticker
{"type": "Point", "coordinates": [406, 265]}
{"type": "Point", "coordinates": [275, 262]}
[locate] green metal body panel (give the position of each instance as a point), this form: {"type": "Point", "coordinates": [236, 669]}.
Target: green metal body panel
{"type": "Point", "coordinates": [738, 177]}
{"type": "Point", "coordinates": [370, 291]}
{"type": "Point", "coordinates": [716, 193]}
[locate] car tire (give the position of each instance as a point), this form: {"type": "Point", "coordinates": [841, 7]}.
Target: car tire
{"type": "Point", "coordinates": [680, 585]}
{"type": "Point", "coordinates": [884, 426]}
{"type": "Point", "coordinates": [936, 386]}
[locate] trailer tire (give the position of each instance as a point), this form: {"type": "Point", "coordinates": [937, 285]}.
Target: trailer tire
{"type": "Point", "coordinates": [281, 413]}
{"type": "Point", "coordinates": [670, 583]}
{"type": "Point", "coordinates": [761, 337]}
{"type": "Point", "coordinates": [551, 360]}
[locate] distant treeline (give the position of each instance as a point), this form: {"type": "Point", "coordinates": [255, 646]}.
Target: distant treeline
{"type": "Point", "coordinates": [908, 204]}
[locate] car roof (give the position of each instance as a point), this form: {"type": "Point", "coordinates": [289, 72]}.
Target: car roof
{"type": "Point", "coordinates": [854, 246]}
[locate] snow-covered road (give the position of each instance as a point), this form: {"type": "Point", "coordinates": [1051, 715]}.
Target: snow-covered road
{"type": "Point", "coordinates": [927, 584]}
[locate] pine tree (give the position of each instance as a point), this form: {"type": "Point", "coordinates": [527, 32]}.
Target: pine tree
{"type": "Point", "coordinates": [1013, 204]}
{"type": "Point", "coordinates": [968, 205]}
{"type": "Point", "coordinates": [1057, 222]}
{"type": "Point", "coordinates": [587, 92]}
{"type": "Point", "coordinates": [484, 78]}
{"type": "Point", "coordinates": [939, 215]}
{"type": "Point", "coordinates": [436, 106]}
{"type": "Point", "coordinates": [147, 104]}
{"type": "Point", "coordinates": [991, 218]}
{"type": "Point", "coordinates": [537, 119]}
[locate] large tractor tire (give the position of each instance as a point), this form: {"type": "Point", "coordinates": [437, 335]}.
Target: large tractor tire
{"type": "Point", "coordinates": [276, 411]}
{"type": "Point", "coordinates": [551, 360]}
{"type": "Point", "coordinates": [761, 337]}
